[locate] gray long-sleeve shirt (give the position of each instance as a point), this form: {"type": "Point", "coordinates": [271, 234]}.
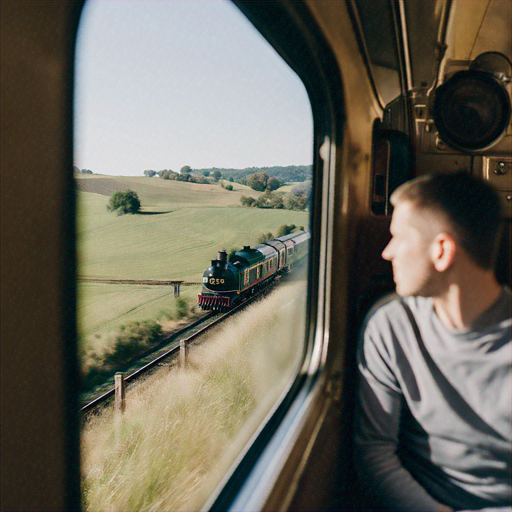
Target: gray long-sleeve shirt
{"type": "Point", "coordinates": [433, 423]}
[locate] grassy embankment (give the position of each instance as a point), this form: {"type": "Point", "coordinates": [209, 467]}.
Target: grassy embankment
{"type": "Point", "coordinates": [183, 429]}
{"type": "Point", "coordinates": [181, 228]}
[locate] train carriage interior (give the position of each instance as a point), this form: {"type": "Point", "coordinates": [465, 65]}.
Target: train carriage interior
{"type": "Point", "coordinates": [398, 88]}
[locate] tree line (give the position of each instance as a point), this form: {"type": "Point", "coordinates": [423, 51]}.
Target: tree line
{"type": "Point", "coordinates": [76, 170]}
{"type": "Point", "coordinates": [283, 174]}
{"type": "Point", "coordinates": [259, 181]}
{"type": "Point", "coordinates": [297, 199]}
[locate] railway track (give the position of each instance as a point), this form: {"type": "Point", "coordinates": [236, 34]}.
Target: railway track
{"type": "Point", "coordinates": [172, 353]}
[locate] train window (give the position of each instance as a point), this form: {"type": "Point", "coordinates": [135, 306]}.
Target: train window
{"type": "Point", "coordinates": [193, 154]}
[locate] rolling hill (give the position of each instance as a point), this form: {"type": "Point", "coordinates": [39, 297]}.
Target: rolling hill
{"type": "Point", "coordinates": [180, 229]}
{"type": "Point", "coordinates": [155, 193]}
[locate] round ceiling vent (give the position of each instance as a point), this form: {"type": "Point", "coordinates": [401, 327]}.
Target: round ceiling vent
{"type": "Point", "coordinates": [471, 110]}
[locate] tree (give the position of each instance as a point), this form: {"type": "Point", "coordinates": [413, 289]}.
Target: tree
{"type": "Point", "coordinates": [270, 200]}
{"type": "Point", "coordinates": [295, 202]}
{"type": "Point", "coordinates": [81, 171]}
{"type": "Point", "coordinates": [149, 173]}
{"type": "Point", "coordinates": [276, 200]}
{"type": "Point", "coordinates": [303, 188]}
{"type": "Point", "coordinates": [298, 198]}
{"type": "Point", "coordinates": [258, 181]}
{"type": "Point", "coordinates": [167, 174]}
{"type": "Point", "coordinates": [285, 229]}
{"type": "Point", "coordinates": [217, 175]}
{"type": "Point", "coordinates": [185, 169]}
{"type": "Point", "coordinates": [273, 183]}
{"type": "Point", "coordinates": [247, 201]}
{"type": "Point", "coordinates": [265, 237]}
{"type": "Point", "coordinates": [123, 202]}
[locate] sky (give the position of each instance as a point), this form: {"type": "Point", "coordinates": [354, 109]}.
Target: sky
{"type": "Point", "coordinates": [165, 83]}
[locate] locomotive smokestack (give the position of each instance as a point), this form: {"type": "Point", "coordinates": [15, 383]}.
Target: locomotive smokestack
{"type": "Point", "coordinates": [222, 256]}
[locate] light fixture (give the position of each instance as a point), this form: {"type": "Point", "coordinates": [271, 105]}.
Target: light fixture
{"type": "Point", "coordinates": [472, 108]}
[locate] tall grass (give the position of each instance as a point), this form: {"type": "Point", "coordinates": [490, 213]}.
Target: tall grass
{"type": "Point", "coordinates": [183, 428]}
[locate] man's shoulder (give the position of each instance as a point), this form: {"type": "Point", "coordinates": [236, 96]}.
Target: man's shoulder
{"type": "Point", "coordinates": [392, 323]}
{"type": "Point", "coordinates": [392, 308]}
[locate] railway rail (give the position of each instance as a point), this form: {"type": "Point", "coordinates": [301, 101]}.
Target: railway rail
{"type": "Point", "coordinates": [173, 352]}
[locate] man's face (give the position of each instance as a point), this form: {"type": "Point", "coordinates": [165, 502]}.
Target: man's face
{"type": "Point", "coordinates": [409, 252]}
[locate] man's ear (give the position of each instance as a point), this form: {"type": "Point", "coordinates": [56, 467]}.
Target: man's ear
{"type": "Point", "coordinates": [442, 251]}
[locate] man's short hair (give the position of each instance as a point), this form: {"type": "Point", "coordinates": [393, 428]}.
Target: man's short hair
{"type": "Point", "coordinates": [471, 205]}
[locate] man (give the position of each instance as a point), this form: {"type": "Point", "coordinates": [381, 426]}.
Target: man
{"type": "Point", "coordinates": [433, 423]}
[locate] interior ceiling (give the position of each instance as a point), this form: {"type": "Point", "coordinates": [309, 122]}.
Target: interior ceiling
{"type": "Point", "coordinates": [456, 30]}
{"type": "Point", "coordinates": [481, 26]}
{"type": "Point", "coordinates": [474, 27]}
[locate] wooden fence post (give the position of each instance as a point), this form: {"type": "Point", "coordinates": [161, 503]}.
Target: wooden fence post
{"type": "Point", "coordinates": [120, 393]}
{"type": "Point", "coordinates": [183, 353]}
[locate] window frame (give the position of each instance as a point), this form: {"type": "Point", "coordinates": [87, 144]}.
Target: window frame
{"type": "Point", "coordinates": [40, 39]}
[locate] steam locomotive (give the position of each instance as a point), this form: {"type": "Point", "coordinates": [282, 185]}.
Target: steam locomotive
{"type": "Point", "coordinates": [227, 283]}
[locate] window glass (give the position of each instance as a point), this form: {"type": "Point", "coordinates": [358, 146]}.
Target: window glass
{"type": "Point", "coordinates": [193, 153]}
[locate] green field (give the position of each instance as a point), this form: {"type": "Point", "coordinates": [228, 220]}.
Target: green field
{"type": "Point", "coordinates": [180, 229]}
{"type": "Point", "coordinates": [288, 187]}
{"type": "Point", "coordinates": [104, 307]}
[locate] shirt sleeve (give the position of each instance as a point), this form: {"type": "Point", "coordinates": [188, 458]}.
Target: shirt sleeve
{"type": "Point", "coordinates": [377, 422]}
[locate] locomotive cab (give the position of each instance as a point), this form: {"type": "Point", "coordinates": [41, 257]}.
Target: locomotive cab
{"type": "Point", "coordinates": [247, 257]}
